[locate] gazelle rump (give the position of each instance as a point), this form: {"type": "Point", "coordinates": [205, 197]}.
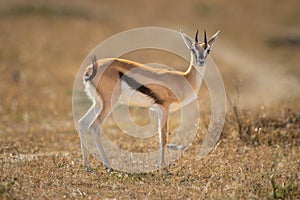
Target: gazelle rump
{"type": "Point", "coordinates": [108, 81]}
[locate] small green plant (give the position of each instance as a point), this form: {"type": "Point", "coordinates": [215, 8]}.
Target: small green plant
{"type": "Point", "coordinates": [280, 191]}
{"type": "Point", "coordinates": [4, 187]}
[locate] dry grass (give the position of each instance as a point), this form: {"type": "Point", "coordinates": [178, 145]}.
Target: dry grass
{"type": "Point", "coordinates": [48, 164]}
{"type": "Point", "coordinates": [258, 154]}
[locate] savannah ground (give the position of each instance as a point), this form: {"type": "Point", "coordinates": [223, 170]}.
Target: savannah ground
{"type": "Point", "coordinates": [42, 45]}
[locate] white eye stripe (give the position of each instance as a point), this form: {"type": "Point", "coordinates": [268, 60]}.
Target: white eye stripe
{"type": "Point", "coordinates": [196, 52]}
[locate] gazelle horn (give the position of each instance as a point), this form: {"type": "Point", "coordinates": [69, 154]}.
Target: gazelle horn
{"type": "Point", "coordinates": [205, 38]}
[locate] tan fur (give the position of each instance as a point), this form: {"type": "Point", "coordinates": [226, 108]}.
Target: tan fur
{"type": "Point", "coordinates": [106, 81]}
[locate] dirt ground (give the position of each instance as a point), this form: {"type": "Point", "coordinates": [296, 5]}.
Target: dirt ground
{"type": "Point", "coordinates": [42, 45]}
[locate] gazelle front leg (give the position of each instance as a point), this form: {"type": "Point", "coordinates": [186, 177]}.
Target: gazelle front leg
{"type": "Point", "coordinates": [85, 156]}
{"type": "Point", "coordinates": [84, 124]}
{"type": "Point", "coordinates": [162, 115]}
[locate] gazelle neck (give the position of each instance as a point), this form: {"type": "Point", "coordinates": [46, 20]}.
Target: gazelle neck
{"type": "Point", "coordinates": [194, 75]}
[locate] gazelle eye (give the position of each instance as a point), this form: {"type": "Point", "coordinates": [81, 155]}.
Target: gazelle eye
{"type": "Point", "coordinates": [208, 51]}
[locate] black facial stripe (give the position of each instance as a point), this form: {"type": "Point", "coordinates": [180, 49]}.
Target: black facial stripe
{"type": "Point", "coordinates": [141, 88]}
{"type": "Point", "coordinates": [194, 51]}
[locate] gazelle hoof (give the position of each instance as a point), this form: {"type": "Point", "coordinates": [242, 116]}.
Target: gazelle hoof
{"type": "Point", "coordinates": [109, 169]}
{"type": "Point", "coordinates": [161, 165]}
{"type": "Point", "coordinates": [89, 169]}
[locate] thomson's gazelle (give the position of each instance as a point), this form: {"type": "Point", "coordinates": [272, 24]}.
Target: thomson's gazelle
{"type": "Point", "coordinates": [102, 85]}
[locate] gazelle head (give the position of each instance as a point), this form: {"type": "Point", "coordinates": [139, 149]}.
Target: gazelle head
{"type": "Point", "coordinates": [199, 50]}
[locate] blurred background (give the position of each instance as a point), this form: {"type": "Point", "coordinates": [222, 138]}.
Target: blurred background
{"type": "Point", "coordinates": [43, 44]}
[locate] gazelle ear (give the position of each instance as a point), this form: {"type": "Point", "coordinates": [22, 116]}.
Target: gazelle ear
{"type": "Point", "coordinates": [213, 39]}
{"type": "Point", "coordinates": [187, 40]}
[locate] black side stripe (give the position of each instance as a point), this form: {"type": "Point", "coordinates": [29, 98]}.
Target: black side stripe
{"type": "Point", "coordinates": [94, 71]}
{"type": "Point", "coordinates": [141, 88]}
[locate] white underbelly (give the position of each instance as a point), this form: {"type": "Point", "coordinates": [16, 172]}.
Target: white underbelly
{"type": "Point", "coordinates": [132, 97]}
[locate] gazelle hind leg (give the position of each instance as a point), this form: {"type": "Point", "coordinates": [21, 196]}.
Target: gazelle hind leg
{"type": "Point", "coordinates": [97, 137]}
{"type": "Point", "coordinates": [96, 130]}
{"type": "Point", "coordinates": [84, 123]}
